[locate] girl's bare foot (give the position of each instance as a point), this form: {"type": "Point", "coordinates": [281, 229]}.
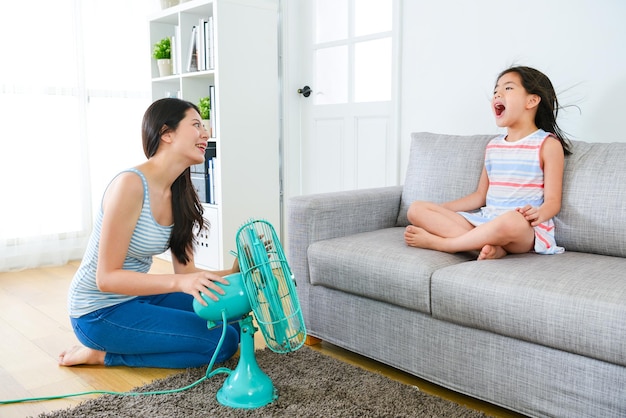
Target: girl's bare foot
{"type": "Point", "coordinates": [78, 355]}
{"type": "Point", "coordinates": [415, 236]}
{"type": "Point", "coordinates": [491, 252]}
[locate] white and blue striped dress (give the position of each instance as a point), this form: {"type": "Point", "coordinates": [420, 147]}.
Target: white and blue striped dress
{"type": "Point", "coordinates": [515, 180]}
{"type": "Point", "coordinates": [149, 238]}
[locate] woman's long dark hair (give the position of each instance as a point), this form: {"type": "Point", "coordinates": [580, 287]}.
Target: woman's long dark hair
{"type": "Point", "coordinates": [535, 82]}
{"type": "Point", "coordinates": [161, 117]}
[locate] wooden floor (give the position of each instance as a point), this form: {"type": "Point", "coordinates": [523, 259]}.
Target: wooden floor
{"type": "Point", "coordinates": [34, 329]}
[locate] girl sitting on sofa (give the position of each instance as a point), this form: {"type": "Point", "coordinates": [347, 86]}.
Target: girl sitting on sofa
{"type": "Point", "coordinates": [520, 187]}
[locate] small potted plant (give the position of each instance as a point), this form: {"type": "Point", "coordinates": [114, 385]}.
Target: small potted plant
{"type": "Point", "coordinates": [204, 104]}
{"type": "Point", "coordinates": [162, 53]}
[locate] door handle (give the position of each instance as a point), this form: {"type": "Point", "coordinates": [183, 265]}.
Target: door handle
{"type": "Point", "coordinates": [305, 91]}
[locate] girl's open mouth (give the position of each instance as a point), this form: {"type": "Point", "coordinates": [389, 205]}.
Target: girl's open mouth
{"type": "Point", "coordinates": [499, 109]}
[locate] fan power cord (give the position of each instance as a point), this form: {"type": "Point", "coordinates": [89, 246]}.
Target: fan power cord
{"type": "Point", "coordinates": [207, 375]}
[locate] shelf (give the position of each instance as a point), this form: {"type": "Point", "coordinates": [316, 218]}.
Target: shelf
{"type": "Point", "coordinates": [169, 15]}
{"type": "Point", "coordinates": [245, 34]}
{"type": "Point", "coordinates": [193, 74]}
{"type": "Point", "coordinates": [203, 74]}
{"type": "Point", "coordinates": [166, 79]}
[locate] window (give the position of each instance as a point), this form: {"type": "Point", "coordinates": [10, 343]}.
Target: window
{"type": "Point", "coordinates": [71, 97]}
{"type": "Point", "coordinates": [353, 51]}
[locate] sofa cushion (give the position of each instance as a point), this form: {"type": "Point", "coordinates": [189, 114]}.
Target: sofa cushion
{"type": "Point", "coordinates": [441, 168]}
{"type": "Point", "coordinates": [379, 265]}
{"type": "Point", "coordinates": [572, 301]}
{"type": "Point", "coordinates": [593, 210]}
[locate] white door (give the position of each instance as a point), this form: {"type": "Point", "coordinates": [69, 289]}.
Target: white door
{"type": "Point", "coordinates": [342, 136]}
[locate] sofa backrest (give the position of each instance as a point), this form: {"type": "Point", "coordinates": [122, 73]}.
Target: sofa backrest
{"type": "Point", "coordinates": [593, 211]}
{"type": "Point", "coordinates": [441, 168]}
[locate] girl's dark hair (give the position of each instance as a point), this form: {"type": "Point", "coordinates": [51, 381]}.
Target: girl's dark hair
{"type": "Point", "coordinates": [161, 117]}
{"type": "Point", "coordinates": [535, 82]}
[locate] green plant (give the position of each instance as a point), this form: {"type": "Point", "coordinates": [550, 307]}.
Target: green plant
{"type": "Point", "coordinates": [204, 104]}
{"type": "Point", "coordinates": [162, 49]}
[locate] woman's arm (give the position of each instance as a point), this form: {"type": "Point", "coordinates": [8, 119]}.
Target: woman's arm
{"type": "Point", "coordinates": [190, 267]}
{"type": "Point", "coordinates": [121, 207]}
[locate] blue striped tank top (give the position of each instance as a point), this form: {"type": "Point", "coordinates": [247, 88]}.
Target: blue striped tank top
{"type": "Point", "coordinates": [148, 239]}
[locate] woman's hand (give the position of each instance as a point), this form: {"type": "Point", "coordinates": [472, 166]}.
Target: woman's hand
{"type": "Point", "coordinates": [202, 283]}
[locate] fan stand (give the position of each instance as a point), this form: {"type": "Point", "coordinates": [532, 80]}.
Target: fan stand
{"type": "Point", "coordinates": [247, 386]}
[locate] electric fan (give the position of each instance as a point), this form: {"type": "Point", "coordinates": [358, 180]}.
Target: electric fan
{"type": "Point", "coordinates": [266, 287]}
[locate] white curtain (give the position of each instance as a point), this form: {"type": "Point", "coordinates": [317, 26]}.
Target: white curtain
{"type": "Point", "coordinates": [74, 83]}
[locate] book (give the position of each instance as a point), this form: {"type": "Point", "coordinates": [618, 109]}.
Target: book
{"type": "Point", "coordinates": [210, 44]}
{"type": "Point", "coordinates": [174, 54]}
{"type": "Point", "coordinates": [192, 56]}
{"type": "Point", "coordinates": [215, 181]}
{"type": "Point", "coordinates": [211, 182]}
{"type": "Point", "coordinates": [213, 111]}
{"type": "Point", "coordinates": [175, 45]}
{"type": "Point", "coordinates": [201, 43]}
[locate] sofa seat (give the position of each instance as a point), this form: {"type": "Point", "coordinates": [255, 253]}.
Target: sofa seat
{"type": "Point", "coordinates": [388, 270]}
{"type": "Point", "coordinates": [528, 297]}
{"type": "Point", "coordinates": [575, 304]}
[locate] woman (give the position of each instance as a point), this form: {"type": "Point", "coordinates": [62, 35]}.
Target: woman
{"type": "Point", "coordinates": [121, 314]}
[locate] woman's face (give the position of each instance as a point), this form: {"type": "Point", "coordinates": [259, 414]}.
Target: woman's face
{"type": "Point", "coordinates": [191, 138]}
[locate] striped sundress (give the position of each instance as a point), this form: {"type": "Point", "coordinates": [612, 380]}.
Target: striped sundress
{"type": "Point", "coordinates": [515, 180]}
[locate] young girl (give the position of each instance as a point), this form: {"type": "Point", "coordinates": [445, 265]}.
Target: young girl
{"type": "Point", "coordinates": [520, 187]}
{"type": "Point", "coordinates": [120, 313]}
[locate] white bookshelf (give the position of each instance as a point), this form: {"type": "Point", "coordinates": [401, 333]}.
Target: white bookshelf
{"type": "Point", "coordinates": [245, 76]}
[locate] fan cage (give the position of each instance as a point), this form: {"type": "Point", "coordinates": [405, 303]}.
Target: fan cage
{"type": "Point", "coordinates": [270, 286]}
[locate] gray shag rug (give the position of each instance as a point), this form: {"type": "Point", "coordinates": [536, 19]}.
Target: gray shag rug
{"type": "Point", "coordinates": [309, 384]}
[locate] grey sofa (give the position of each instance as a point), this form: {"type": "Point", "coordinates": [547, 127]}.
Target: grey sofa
{"type": "Point", "coordinates": [543, 335]}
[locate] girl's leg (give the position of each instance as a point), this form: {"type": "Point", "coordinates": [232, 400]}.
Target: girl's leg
{"type": "Point", "coordinates": [434, 219]}
{"type": "Point", "coordinates": [509, 232]}
{"type": "Point", "coordinates": [437, 220]}
{"type": "Point", "coordinates": [159, 331]}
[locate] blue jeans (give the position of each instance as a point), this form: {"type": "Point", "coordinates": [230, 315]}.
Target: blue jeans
{"type": "Point", "coordinates": [154, 331]}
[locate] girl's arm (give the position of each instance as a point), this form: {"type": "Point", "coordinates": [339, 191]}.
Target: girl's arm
{"type": "Point", "coordinates": [121, 206]}
{"type": "Point", "coordinates": [553, 163]}
{"type": "Point", "coordinates": [474, 200]}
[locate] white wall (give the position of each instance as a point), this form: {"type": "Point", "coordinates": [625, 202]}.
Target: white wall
{"type": "Point", "coordinates": [454, 50]}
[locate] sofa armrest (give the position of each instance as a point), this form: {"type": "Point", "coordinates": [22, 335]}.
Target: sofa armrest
{"type": "Point", "coordinates": [330, 215]}
{"type": "Point", "coordinates": [323, 216]}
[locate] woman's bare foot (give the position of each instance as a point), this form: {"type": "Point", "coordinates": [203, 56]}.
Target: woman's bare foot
{"type": "Point", "coordinates": [78, 355]}
{"type": "Point", "coordinates": [491, 252]}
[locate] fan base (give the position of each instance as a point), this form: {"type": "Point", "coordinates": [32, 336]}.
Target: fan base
{"type": "Point", "coordinates": [247, 386]}
{"type": "Point", "coordinates": [250, 395]}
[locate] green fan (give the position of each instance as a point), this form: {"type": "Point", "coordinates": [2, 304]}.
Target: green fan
{"type": "Point", "coordinates": [266, 287]}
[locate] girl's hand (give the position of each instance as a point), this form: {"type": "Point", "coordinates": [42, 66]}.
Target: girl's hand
{"type": "Point", "coordinates": [202, 283]}
{"type": "Point", "coordinates": [531, 214]}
